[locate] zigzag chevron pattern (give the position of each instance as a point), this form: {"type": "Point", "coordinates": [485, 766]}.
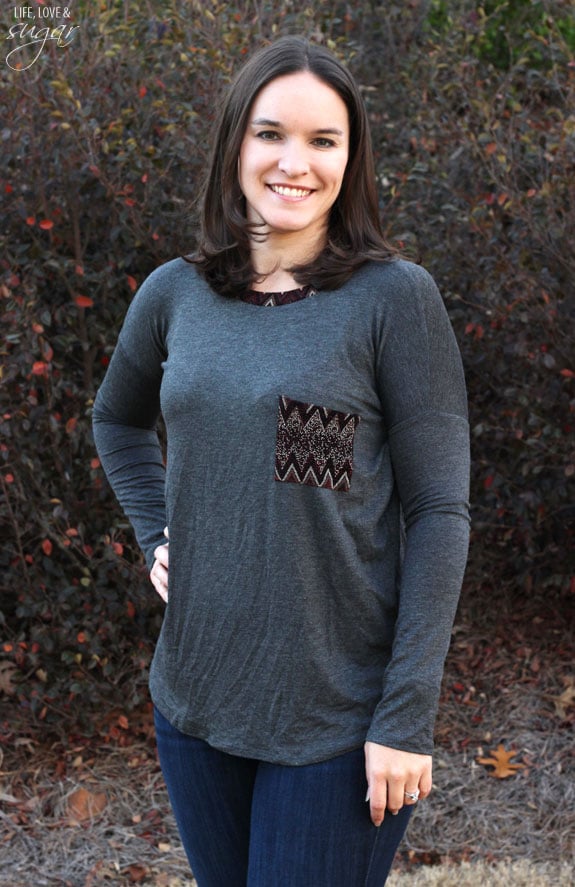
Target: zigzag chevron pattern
{"type": "Point", "coordinates": [314, 445]}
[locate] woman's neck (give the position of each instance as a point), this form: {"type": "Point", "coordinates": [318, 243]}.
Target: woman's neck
{"type": "Point", "coordinates": [273, 257]}
{"type": "Point", "coordinates": [278, 281]}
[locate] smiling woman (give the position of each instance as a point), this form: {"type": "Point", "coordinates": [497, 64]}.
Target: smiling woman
{"type": "Point", "coordinates": [280, 75]}
{"type": "Point", "coordinates": [315, 493]}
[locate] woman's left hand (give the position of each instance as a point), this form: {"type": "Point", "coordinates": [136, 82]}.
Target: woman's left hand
{"type": "Point", "coordinates": [390, 774]}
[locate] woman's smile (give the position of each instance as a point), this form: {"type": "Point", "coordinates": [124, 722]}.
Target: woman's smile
{"type": "Point", "coordinates": [290, 191]}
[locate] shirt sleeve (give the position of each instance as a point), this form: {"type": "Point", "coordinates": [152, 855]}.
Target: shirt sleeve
{"type": "Point", "coordinates": [125, 416]}
{"type": "Point", "coordinates": [424, 403]}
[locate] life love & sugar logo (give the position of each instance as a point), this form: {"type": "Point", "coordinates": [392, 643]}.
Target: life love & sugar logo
{"type": "Point", "coordinates": [32, 29]}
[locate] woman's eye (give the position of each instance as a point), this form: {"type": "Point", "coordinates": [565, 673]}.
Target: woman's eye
{"type": "Point", "coordinates": [324, 143]}
{"type": "Point", "coordinates": [268, 135]}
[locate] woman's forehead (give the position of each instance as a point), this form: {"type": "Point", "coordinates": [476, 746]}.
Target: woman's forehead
{"type": "Point", "coordinates": [299, 96]}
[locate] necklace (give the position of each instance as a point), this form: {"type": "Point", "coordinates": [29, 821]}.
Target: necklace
{"type": "Point", "coordinates": [272, 300]}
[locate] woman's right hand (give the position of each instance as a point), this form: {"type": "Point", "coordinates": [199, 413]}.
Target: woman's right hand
{"type": "Point", "coordinates": [159, 572]}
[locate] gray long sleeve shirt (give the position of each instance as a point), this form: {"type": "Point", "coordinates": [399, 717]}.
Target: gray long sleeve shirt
{"type": "Point", "coordinates": [316, 493]}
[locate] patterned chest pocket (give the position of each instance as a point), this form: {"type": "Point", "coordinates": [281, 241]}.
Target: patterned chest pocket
{"type": "Point", "coordinates": [314, 445]}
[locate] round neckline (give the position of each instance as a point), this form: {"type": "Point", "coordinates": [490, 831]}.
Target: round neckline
{"type": "Point", "coordinates": [266, 299]}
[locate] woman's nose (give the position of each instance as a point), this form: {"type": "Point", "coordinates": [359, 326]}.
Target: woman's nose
{"type": "Point", "coordinates": [293, 161]}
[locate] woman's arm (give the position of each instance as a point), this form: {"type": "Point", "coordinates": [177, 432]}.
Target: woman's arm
{"type": "Point", "coordinates": [130, 452]}
{"type": "Point", "coordinates": [425, 411]}
{"type": "Point", "coordinates": [126, 413]}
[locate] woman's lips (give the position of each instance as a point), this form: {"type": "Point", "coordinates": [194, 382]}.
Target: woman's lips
{"type": "Point", "coordinates": [290, 191]}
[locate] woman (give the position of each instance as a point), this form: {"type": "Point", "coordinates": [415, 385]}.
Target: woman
{"type": "Point", "coordinates": [315, 494]}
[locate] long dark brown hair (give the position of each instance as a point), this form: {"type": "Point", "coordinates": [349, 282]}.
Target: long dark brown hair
{"type": "Point", "coordinates": [354, 229]}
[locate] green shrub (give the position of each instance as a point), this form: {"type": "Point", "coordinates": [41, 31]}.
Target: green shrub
{"type": "Point", "coordinates": [479, 179]}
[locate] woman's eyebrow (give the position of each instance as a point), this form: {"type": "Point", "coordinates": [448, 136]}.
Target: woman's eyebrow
{"type": "Point", "coordinates": [263, 121]}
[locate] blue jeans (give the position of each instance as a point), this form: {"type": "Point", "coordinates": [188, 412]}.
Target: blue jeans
{"type": "Point", "coordinates": [248, 823]}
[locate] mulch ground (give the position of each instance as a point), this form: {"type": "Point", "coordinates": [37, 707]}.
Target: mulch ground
{"type": "Point", "coordinates": [85, 812]}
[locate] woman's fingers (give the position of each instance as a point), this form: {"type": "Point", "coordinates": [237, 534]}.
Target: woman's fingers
{"type": "Point", "coordinates": [159, 578]}
{"type": "Point", "coordinates": [395, 778]}
{"type": "Point", "coordinates": [377, 797]}
{"type": "Point", "coordinates": [159, 571]}
{"type": "Point", "coordinates": [162, 555]}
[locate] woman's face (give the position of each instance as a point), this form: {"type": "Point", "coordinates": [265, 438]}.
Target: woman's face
{"type": "Point", "coordinates": [293, 156]}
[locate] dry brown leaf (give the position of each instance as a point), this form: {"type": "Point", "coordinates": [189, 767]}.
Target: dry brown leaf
{"type": "Point", "coordinates": [84, 804]}
{"type": "Point", "coordinates": [7, 672]}
{"type": "Point", "coordinates": [21, 741]}
{"type": "Point", "coordinates": [136, 872]}
{"type": "Point", "coordinates": [500, 760]}
{"type": "Point", "coordinates": [566, 699]}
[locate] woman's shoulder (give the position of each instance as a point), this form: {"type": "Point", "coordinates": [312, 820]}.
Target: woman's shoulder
{"type": "Point", "coordinates": [399, 293]}
{"type": "Point", "coordinates": [174, 272]}
{"type": "Point", "coordinates": [396, 275]}
{"type": "Point", "coordinates": [395, 287]}
{"type": "Point", "coordinates": [168, 284]}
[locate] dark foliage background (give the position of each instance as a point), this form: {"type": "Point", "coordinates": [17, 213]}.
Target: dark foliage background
{"type": "Point", "coordinates": [103, 149]}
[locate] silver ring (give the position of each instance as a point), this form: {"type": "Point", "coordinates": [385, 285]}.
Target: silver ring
{"type": "Point", "coordinates": [413, 796]}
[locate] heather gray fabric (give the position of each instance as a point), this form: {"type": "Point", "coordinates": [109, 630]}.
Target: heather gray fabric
{"type": "Point", "coordinates": [300, 620]}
